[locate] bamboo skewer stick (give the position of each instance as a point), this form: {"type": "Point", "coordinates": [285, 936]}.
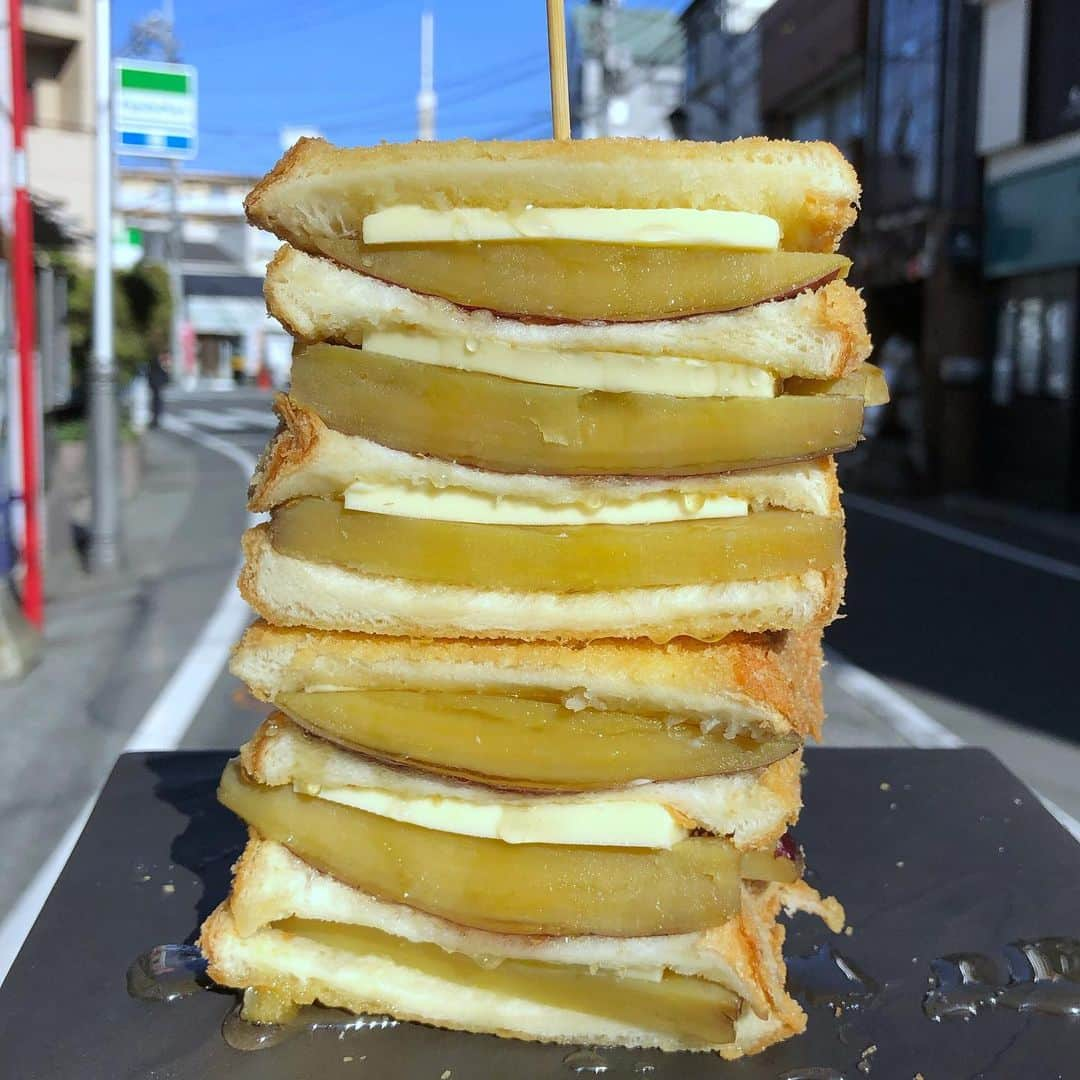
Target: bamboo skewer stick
{"type": "Point", "coordinates": [560, 90]}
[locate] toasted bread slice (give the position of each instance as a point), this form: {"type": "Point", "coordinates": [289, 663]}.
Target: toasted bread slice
{"type": "Point", "coordinates": [319, 191]}
{"type": "Point", "coordinates": [768, 684]}
{"type": "Point", "coordinates": [245, 949]}
{"type": "Point", "coordinates": [306, 457]}
{"type": "Point", "coordinates": [753, 808]}
{"type": "Point", "coordinates": [293, 592]}
{"type": "Point", "coordinates": [818, 334]}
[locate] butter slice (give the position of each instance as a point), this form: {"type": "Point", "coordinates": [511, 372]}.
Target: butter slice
{"type": "Point", "coordinates": [675, 376]}
{"type": "Point", "coordinates": [604, 824]}
{"type": "Point", "coordinates": [460, 504]}
{"type": "Point", "coordinates": [728, 229]}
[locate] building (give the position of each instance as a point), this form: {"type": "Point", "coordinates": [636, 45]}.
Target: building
{"type": "Point", "coordinates": [723, 60]}
{"type": "Point", "coordinates": [1029, 137]}
{"type": "Point", "coordinates": [60, 139]}
{"type": "Point", "coordinates": [813, 72]}
{"type": "Point", "coordinates": [626, 70]}
{"type": "Point", "coordinates": [223, 260]}
{"type": "Point", "coordinates": [894, 84]}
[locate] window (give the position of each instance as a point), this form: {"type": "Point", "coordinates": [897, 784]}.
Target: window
{"type": "Point", "coordinates": [1029, 346]}
{"type": "Point", "coordinates": [837, 116]}
{"type": "Point", "coordinates": [1058, 328]}
{"type": "Point", "coordinates": [811, 123]}
{"type": "Point", "coordinates": [1001, 379]}
{"type": "Point", "coordinates": [1035, 348]}
{"type": "Point", "coordinates": [908, 107]}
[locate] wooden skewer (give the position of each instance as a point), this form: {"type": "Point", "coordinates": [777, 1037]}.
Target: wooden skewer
{"type": "Point", "coordinates": [560, 90]}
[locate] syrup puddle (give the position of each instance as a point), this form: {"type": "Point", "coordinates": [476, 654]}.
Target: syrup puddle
{"type": "Point", "coordinates": [1040, 976]}
{"type": "Point", "coordinates": [827, 977]}
{"type": "Point", "coordinates": [167, 973]}
{"type": "Point", "coordinates": [585, 1062]}
{"type": "Point", "coordinates": [242, 1034]}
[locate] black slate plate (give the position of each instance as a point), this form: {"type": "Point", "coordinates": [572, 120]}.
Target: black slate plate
{"type": "Point", "coordinates": [982, 866]}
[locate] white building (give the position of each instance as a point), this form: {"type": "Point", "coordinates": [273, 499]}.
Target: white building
{"type": "Point", "coordinates": [223, 263]}
{"type": "Point", "coordinates": [59, 37]}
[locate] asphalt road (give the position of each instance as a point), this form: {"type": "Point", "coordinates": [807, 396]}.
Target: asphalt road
{"type": "Point", "coordinates": [244, 418]}
{"type": "Point", "coordinates": [984, 614]}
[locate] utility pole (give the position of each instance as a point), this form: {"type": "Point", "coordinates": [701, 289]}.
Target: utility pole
{"type": "Point", "coordinates": [607, 62]}
{"type": "Point", "coordinates": [176, 229]}
{"type": "Point", "coordinates": [22, 266]}
{"type": "Point", "coordinates": [104, 548]}
{"type": "Point", "coordinates": [426, 100]}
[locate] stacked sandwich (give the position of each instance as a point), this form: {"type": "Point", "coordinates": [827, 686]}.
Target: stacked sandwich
{"type": "Point", "coordinates": [553, 533]}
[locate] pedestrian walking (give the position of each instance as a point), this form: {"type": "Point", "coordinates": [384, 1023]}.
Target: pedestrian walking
{"type": "Point", "coordinates": [158, 376]}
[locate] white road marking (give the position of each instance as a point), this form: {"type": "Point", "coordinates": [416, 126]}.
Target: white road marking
{"type": "Point", "coordinates": [235, 418]}
{"type": "Point", "coordinates": [163, 725]}
{"type": "Point", "coordinates": [259, 418]}
{"type": "Point", "coordinates": [913, 723]}
{"type": "Point", "coordinates": [217, 419]}
{"type": "Point", "coordinates": [999, 548]}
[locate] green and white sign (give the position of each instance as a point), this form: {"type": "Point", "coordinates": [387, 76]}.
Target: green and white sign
{"type": "Point", "coordinates": [155, 109]}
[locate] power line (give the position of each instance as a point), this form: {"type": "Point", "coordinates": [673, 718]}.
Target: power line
{"type": "Point", "coordinates": [539, 123]}
{"type": "Point", "coordinates": [291, 26]}
{"type": "Point", "coordinates": [358, 127]}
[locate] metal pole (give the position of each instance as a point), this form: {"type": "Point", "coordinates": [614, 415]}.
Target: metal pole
{"type": "Point", "coordinates": [105, 515]}
{"type": "Point", "coordinates": [606, 46]}
{"type": "Point", "coordinates": [176, 228]}
{"type": "Point", "coordinates": [22, 259]}
{"type": "Point", "coordinates": [174, 264]}
{"type": "Point", "coordinates": [426, 100]}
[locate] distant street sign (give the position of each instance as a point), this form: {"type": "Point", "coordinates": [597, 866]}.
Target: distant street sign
{"type": "Point", "coordinates": [155, 110]}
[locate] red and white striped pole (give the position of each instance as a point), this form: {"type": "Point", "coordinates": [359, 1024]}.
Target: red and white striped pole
{"type": "Point", "coordinates": [22, 275]}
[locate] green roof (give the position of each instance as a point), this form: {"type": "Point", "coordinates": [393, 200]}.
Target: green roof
{"type": "Point", "coordinates": [653, 35]}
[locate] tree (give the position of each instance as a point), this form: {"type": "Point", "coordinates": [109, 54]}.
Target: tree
{"type": "Point", "coordinates": [142, 313]}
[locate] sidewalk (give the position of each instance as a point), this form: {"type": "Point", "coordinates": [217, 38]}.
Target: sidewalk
{"type": "Point", "coordinates": [111, 642]}
{"type": "Point", "coordinates": [864, 710]}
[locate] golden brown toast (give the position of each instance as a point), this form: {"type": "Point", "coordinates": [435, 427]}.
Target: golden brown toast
{"type": "Point", "coordinates": [306, 457]}
{"type": "Point", "coordinates": [767, 682]}
{"type": "Point", "coordinates": [817, 334]}
{"type": "Point", "coordinates": [244, 950]}
{"type": "Point", "coordinates": [318, 190]}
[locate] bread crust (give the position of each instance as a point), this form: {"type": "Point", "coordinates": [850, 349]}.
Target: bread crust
{"type": "Point", "coordinates": [816, 334]}
{"type": "Point", "coordinates": [306, 457]}
{"type": "Point", "coordinates": [753, 809]}
{"type": "Point", "coordinates": [318, 189]}
{"type": "Point", "coordinates": [271, 884]}
{"type": "Point", "coordinates": [769, 681]}
{"type": "Point", "coordinates": [293, 592]}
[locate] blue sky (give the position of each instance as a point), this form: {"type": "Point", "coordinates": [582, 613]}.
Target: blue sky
{"type": "Point", "coordinates": [350, 69]}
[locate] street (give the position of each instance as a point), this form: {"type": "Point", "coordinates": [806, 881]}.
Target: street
{"type": "Point", "coordinates": [995, 631]}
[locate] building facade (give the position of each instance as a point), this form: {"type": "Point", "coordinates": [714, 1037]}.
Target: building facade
{"type": "Point", "coordinates": [626, 70]}
{"type": "Point", "coordinates": [59, 38]}
{"type": "Point", "coordinates": [1029, 137]}
{"type": "Point", "coordinates": [894, 84]}
{"type": "Point", "coordinates": [223, 260]}
{"type": "Point", "coordinates": [813, 72]}
{"type": "Point", "coordinates": [723, 62]}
